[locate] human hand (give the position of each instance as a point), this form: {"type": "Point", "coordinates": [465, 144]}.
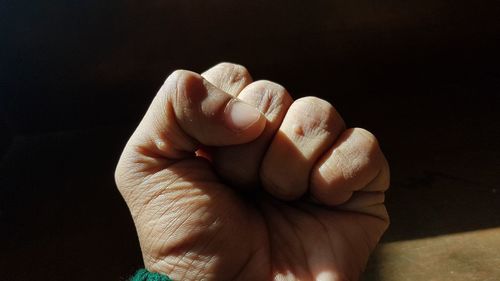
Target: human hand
{"type": "Point", "coordinates": [221, 191]}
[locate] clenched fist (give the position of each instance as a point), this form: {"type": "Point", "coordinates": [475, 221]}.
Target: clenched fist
{"type": "Point", "coordinates": [230, 179]}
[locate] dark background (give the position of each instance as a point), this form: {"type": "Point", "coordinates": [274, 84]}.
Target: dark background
{"type": "Point", "coordinates": [76, 77]}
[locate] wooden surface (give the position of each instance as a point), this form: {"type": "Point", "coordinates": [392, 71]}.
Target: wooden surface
{"type": "Point", "coordinates": [445, 195]}
{"type": "Point", "coordinates": [466, 256]}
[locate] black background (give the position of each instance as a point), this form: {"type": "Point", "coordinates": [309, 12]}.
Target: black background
{"type": "Point", "coordinates": [76, 77]}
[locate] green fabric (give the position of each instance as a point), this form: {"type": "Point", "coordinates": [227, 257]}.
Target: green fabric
{"type": "Point", "coordinates": [144, 275]}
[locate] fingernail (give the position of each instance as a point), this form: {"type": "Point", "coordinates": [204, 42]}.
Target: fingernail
{"type": "Point", "coordinates": [240, 115]}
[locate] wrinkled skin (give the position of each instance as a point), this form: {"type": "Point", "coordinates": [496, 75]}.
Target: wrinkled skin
{"type": "Point", "coordinates": [282, 193]}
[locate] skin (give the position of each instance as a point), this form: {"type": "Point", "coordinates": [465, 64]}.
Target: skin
{"type": "Point", "coordinates": [276, 190]}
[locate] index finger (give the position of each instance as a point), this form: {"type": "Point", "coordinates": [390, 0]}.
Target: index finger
{"type": "Point", "coordinates": [229, 77]}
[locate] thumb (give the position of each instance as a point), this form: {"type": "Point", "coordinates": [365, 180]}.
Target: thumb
{"type": "Point", "coordinates": [188, 112]}
{"type": "Point", "coordinates": [178, 206]}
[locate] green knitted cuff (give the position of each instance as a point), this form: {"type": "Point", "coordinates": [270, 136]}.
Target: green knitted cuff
{"type": "Point", "coordinates": [144, 275]}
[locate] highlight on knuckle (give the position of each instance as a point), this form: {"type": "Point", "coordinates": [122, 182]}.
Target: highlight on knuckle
{"type": "Point", "coordinates": [184, 87]}
{"type": "Point", "coordinates": [273, 97]}
{"type": "Point", "coordinates": [269, 86]}
{"type": "Point", "coordinates": [236, 72]}
{"type": "Point", "coordinates": [368, 141]}
{"type": "Point", "coordinates": [315, 117]}
{"type": "Point", "coordinates": [315, 101]}
{"type": "Point", "coordinates": [184, 78]}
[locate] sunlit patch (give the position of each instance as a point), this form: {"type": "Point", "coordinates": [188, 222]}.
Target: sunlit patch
{"type": "Point", "coordinates": [473, 255]}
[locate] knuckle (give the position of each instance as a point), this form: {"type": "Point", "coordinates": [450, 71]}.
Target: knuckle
{"type": "Point", "coordinates": [315, 109]}
{"type": "Point", "coordinates": [370, 156]}
{"type": "Point", "coordinates": [270, 98]}
{"type": "Point", "coordinates": [270, 85]}
{"type": "Point", "coordinates": [183, 85]}
{"type": "Point", "coordinates": [174, 76]}
{"type": "Point", "coordinates": [348, 166]}
{"type": "Point", "coordinates": [182, 77]}
{"type": "Point", "coordinates": [315, 102]}
{"type": "Point", "coordinates": [237, 72]}
{"type": "Point", "coordinates": [356, 155]}
{"type": "Point", "coordinates": [366, 140]}
{"type": "Point", "coordinates": [317, 116]}
{"type": "Point", "coordinates": [277, 91]}
{"type": "Point", "coordinates": [232, 66]}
